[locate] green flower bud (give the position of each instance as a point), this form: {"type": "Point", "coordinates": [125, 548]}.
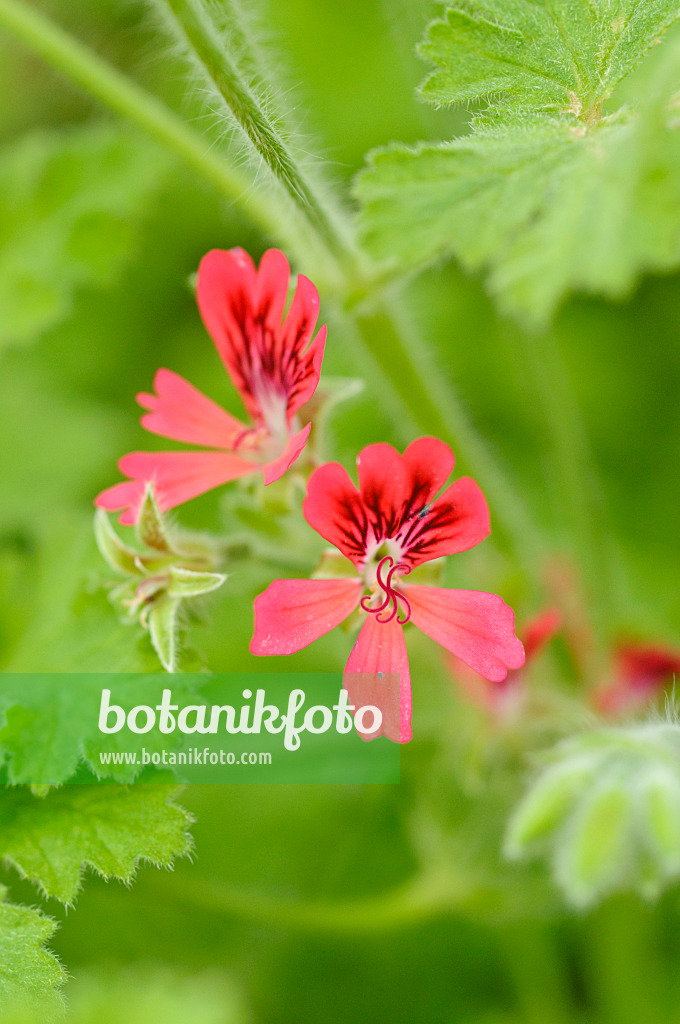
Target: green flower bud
{"type": "Point", "coordinates": [605, 812]}
{"type": "Point", "coordinates": [171, 566]}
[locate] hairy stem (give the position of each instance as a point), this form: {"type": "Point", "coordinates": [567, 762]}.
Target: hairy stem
{"type": "Point", "coordinates": [191, 23]}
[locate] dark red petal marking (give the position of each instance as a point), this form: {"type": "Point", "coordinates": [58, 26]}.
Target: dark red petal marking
{"type": "Point", "coordinates": [242, 309]}
{"type": "Point", "coordinates": [334, 509]}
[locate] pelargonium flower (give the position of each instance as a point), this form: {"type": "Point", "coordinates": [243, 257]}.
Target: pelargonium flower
{"type": "Point", "coordinates": [505, 697]}
{"type": "Point", "coordinates": [392, 524]}
{"type": "Point", "coordinates": [640, 672]}
{"type": "Point", "coordinates": [273, 366]}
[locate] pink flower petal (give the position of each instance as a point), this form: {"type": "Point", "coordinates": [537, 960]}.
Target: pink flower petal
{"type": "Point", "coordinates": [127, 496]}
{"type": "Point", "coordinates": [478, 628]}
{"type": "Point", "coordinates": [309, 382]}
{"type": "Point", "coordinates": [334, 509]}
{"type": "Point", "coordinates": [242, 309]}
{"type": "Point", "coordinates": [429, 463]}
{"type": "Point", "coordinates": [377, 673]}
{"type": "Point", "coordinates": [455, 522]}
{"type": "Point", "coordinates": [179, 476]}
{"type": "Point", "coordinates": [181, 412]}
{"type": "Point", "coordinates": [274, 470]}
{"type": "Point", "coordinates": [539, 631]}
{"type": "Point", "coordinates": [271, 290]}
{"type": "Point", "coordinates": [291, 614]}
{"type": "Point", "coordinates": [396, 488]}
{"type": "Point", "coordinates": [225, 293]}
{"type": "Point", "coordinates": [383, 487]}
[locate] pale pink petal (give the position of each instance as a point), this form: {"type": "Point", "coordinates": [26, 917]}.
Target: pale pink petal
{"type": "Point", "coordinates": [377, 673]}
{"type": "Point", "coordinates": [180, 411]}
{"type": "Point", "coordinates": [334, 509]}
{"type": "Point", "coordinates": [478, 628]}
{"type": "Point", "coordinates": [291, 614]}
{"type": "Point", "coordinates": [294, 447]}
{"type": "Point", "coordinates": [127, 496]}
{"type": "Point", "coordinates": [179, 476]}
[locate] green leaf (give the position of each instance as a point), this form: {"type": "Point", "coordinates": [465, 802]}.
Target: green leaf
{"type": "Point", "coordinates": [147, 995]}
{"type": "Point", "coordinates": [546, 194]}
{"type": "Point", "coordinates": [119, 556]}
{"type": "Point", "coordinates": [108, 828]}
{"type": "Point", "coordinates": [151, 530]}
{"type": "Point", "coordinates": [28, 972]}
{"type": "Point", "coordinates": [187, 583]}
{"type": "Point", "coordinates": [561, 56]}
{"type": "Point", "coordinates": [49, 724]}
{"type": "Point", "coordinates": [163, 628]}
{"type": "Point", "coordinates": [68, 204]}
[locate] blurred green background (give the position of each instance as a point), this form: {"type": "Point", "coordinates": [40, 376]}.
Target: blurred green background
{"type": "Point", "coordinates": [94, 296]}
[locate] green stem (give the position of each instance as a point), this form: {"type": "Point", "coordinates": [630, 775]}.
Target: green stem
{"type": "Point", "coordinates": [424, 897]}
{"type": "Point", "coordinates": [579, 496]}
{"type": "Point", "coordinates": [115, 90]}
{"type": "Point", "coordinates": [537, 973]}
{"type": "Point", "coordinates": [191, 23]}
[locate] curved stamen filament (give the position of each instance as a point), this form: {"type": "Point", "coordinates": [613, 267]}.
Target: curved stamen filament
{"type": "Point", "coordinates": [392, 596]}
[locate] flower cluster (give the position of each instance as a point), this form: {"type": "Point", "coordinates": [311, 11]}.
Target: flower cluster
{"type": "Point", "coordinates": [402, 514]}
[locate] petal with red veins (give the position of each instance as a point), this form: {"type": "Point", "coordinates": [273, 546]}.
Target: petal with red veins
{"type": "Point", "coordinates": [478, 628]}
{"type": "Point", "coordinates": [308, 380]}
{"type": "Point", "coordinates": [272, 288]}
{"type": "Point", "coordinates": [275, 469]}
{"type": "Point", "coordinates": [179, 476]}
{"type": "Point", "coordinates": [382, 486]}
{"type": "Point", "coordinates": [428, 463]}
{"type": "Point", "coordinates": [226, 294]}
{"type": "Point", "coordinates": [181, 412]}
{"type": "Point", "coordinates": [334, 509]}
{"type": "Point", "coordinates": [456, 521]}
{"type": "Point", "coordinates": [291, 614]}
{"type": "Point", "coordinates": [377, 673]}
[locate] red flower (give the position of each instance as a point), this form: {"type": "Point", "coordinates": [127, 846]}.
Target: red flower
{"type": "Point", "coordinates": [270, 362]}
{"type": "Point", "coordinates": [504, 697]}
{"type": "Point", "coordinates": [391, 524]}
{"type": "Point", "coordinates": [640, 672]}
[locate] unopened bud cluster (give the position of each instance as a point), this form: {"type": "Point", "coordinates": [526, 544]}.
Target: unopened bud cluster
{"type": "Point", "coordinates": [170, 567]}
{"type": "Point", "coordinates": [605, 812]}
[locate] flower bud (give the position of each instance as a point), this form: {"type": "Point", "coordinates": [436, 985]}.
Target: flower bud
{"type": "Point", "coordinates": [171, 567]}
{"type": "Point", "coordinates": [605, 812]}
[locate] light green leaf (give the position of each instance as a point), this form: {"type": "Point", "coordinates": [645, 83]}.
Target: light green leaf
{"type": "Point", "coordinates": [163, 628]}
{"type": "Point", "coordinates": [151, 529]}
{"type": "Point", "coordinates": [546, 194]}
{"type": "Point", "coordinates": [68, 204]}
{"type": "Point", "coordinates": [148, 995]}
{"type": "Point", "coordinates": [109, 828]}
{"type": "Point", "coordinates": [187, 583]}
{"type": "Point", "coordinates": [119, 556]}
{"type": "Point", "coordinates": [29, 974]}
{"type": "Point", "coordinates": [564, 56]}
